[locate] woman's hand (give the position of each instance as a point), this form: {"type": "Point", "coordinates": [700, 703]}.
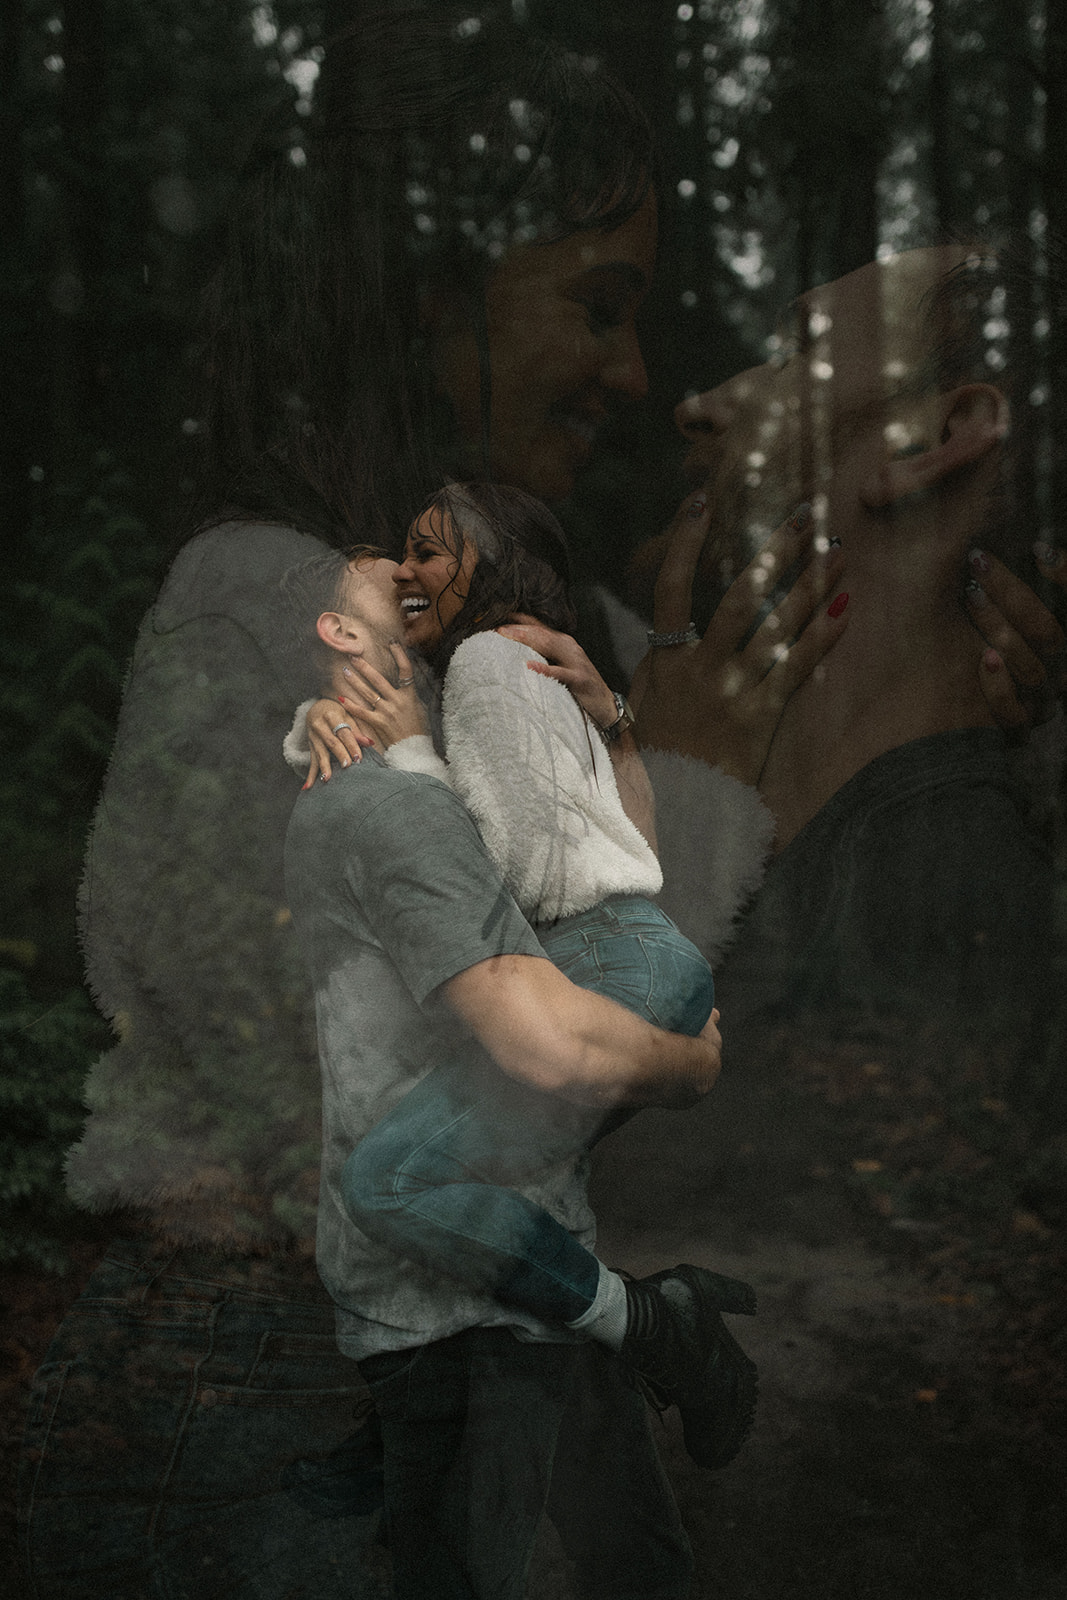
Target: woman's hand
{"type": "Point", "coordinates": [719, 698]}
{"type": "Point", "coordinates": [1024, 667]}
{"type": "Point", "coordinates": [567, 664]}
{"type": "Point", "coordinates": [332, 736]}
{"type": "Point", "coordinates": [389, 712]}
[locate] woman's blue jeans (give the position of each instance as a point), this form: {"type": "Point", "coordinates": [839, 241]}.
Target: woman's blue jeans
{"type": "Point", "coordinates": [435, 1179]}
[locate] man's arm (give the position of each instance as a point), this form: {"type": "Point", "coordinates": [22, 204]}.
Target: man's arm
{"type": "Point", "coordinates": [545, 1030]}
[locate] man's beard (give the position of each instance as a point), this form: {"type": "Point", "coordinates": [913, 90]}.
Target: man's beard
{"type": "Point", "coordinates": [379, 655]}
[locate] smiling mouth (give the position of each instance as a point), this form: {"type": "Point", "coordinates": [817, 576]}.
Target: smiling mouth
{"type": "Point", "coordinates": [412, 605]}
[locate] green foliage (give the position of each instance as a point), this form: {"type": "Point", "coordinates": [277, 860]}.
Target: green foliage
{"type": "Point", "coordinates": [63, 656]}
{"type": "Point", "coordinates": [45, 1052]}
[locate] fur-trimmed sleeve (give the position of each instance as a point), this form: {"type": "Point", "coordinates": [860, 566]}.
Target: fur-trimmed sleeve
{"type": "Point", "coordinates": [417, 754]}
{"type": "Point", "coordinates": [295, 746]}
{"type": "Point", "coordinates": [715, 834]}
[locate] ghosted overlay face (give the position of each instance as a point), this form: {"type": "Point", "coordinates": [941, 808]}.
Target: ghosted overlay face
{"type": "Point", "coordinates": [563, 351]}
{"type": "Point", "coordinates": [804, 424]}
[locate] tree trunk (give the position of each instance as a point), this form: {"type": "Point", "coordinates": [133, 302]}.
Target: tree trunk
{"type": "Point", "coordinates": [1054, 187]}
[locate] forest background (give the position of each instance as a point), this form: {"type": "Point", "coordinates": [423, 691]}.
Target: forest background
{"type": "Point", "coordinates": [799, 139]}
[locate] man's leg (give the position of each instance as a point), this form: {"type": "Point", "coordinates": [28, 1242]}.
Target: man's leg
{"type": "Point", "coordinates": [162, 1425]}
{"type": "Point", "coordinates": [610, 1500]}
{"type": "Point", "coordinates": [469, 1426]}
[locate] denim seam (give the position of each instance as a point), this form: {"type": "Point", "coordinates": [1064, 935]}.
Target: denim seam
{"type": "Point", "coordinates": [31, 1498]}
{"type": "Point", "coordinates": [455, 1232]}
{"type": "Point", "coordinates": [180, 1432]}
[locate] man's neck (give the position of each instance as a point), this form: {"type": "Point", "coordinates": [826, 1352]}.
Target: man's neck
{"type": "Point", "coordinates": [906, 667]}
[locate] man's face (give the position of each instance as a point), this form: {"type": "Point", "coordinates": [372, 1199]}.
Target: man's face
{"type": "Point", "coordinates": [563, 351]}
{"type": "Point", "coordinates": [369, 597]}
{"type": "Point", "coordinates": [808, 423]}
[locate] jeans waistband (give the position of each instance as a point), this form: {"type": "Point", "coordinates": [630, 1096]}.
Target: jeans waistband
{"type": "Point", "coordinates": [287, 1277]}
{"type": "Point", "coordinates": [616, 910]}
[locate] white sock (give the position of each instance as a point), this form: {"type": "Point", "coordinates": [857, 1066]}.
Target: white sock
{"type": "Point", "coordinates": [606, 1318]}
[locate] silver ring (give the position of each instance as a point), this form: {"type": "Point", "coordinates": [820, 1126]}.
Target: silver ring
{"type": "Point", "coordinates": [341, 725]}
{"type": "Point", "coordinates": [404, 683]}
{"type": "Point", "coordinates": [661, 641]}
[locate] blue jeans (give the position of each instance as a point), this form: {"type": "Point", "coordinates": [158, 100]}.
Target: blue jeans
{"type": "Point", "coordinates": [483, 1433]}
{"type": "Point", "coordinates": [433, 1180]}
{"type": "Point", "coordinates": [177, 1393]}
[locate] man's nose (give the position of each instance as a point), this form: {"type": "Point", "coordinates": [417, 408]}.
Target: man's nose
{"type": "Point", "coordinates": [623, 371]}
{"type": "Point", "coordinates": [701, 414]}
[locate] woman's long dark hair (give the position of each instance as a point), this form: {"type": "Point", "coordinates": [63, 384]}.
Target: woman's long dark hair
{"type": "Point", "coordinates": [438, 139]}
{"type": "Point", "coordinates": [523, 561]}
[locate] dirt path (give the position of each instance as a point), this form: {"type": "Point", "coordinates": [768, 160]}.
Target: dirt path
{"type": "Point", "coordinates": [884, 1465]}
{"type": "Point", "coordinates": [888, 1462]}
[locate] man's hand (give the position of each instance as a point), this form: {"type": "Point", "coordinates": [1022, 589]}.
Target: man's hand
{"type": "Point", "coordinates": [720, 698]}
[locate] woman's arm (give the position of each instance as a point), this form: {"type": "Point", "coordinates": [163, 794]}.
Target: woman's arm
{"type": "Point", "coordinates": [568, 664]}
{"type": "Point", "coordinates": [536, 778]}
{"type": "Point", "coordinates": [376, 711]}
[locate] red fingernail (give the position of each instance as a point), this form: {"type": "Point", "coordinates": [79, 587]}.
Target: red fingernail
{"type": "Point", "coordinates": [835, 608]}
{"type": "Point", "coordinates": [696, 508]}
{"type": "Point", "coordinates": [991, 661]}
{"type": "Point", "coordinates": [979, 560]}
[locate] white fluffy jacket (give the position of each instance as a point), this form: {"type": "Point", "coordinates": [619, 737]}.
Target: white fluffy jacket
{"type": "Point", "coordinates": [533, 772]}
{"type": "Point", "coordinates": [539, 782]}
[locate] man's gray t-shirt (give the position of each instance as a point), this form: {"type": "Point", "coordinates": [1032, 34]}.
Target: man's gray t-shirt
{"type": "Point", "coordinates": [393, 894]}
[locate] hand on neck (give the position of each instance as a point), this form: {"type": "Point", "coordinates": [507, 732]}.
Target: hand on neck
{"type": "Point", "coordinates": [905, 668]}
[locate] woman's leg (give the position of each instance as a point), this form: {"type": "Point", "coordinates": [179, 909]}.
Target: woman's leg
{"type": "Point", "coordinates": [436, 1179]}
{"type": "Point", "coordinates": [631, 951]}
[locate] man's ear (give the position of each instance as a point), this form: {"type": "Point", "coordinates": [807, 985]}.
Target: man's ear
{"type": "Point", "coordinates": [340, 633]}
{"type": "Point", "coordinates": [974, 419]}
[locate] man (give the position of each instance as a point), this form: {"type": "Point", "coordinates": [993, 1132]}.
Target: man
{"type": "Point", "coordinates": [908, 884]}
{"type": "Point", "coordinates": [416, 950]}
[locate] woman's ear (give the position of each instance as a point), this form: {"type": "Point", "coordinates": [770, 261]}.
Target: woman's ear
{"type": "Point", "coordinates": [973, 420]}
{"type": "Point", "coordinates": [340, 633]}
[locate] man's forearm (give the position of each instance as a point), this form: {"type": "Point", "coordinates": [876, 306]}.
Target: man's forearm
{"type": "Point", "coordinates": [544, 1030]}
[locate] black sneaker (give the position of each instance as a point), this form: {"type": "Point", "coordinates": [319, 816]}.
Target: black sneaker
{"type": "Point", "coordinates": [678, 1348]}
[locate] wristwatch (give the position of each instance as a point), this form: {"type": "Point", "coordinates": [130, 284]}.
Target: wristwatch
{"type": "Point", "coordinates": [624, 720]}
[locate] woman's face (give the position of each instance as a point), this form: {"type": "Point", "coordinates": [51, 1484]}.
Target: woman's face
{"type": "Point", "coordinates": [563, 351]}
{"type": "Point", "coordinates": [433, 579]}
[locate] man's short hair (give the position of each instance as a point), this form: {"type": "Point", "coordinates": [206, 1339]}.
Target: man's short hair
{"type": "Point", "coordinates": [308, 590]}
